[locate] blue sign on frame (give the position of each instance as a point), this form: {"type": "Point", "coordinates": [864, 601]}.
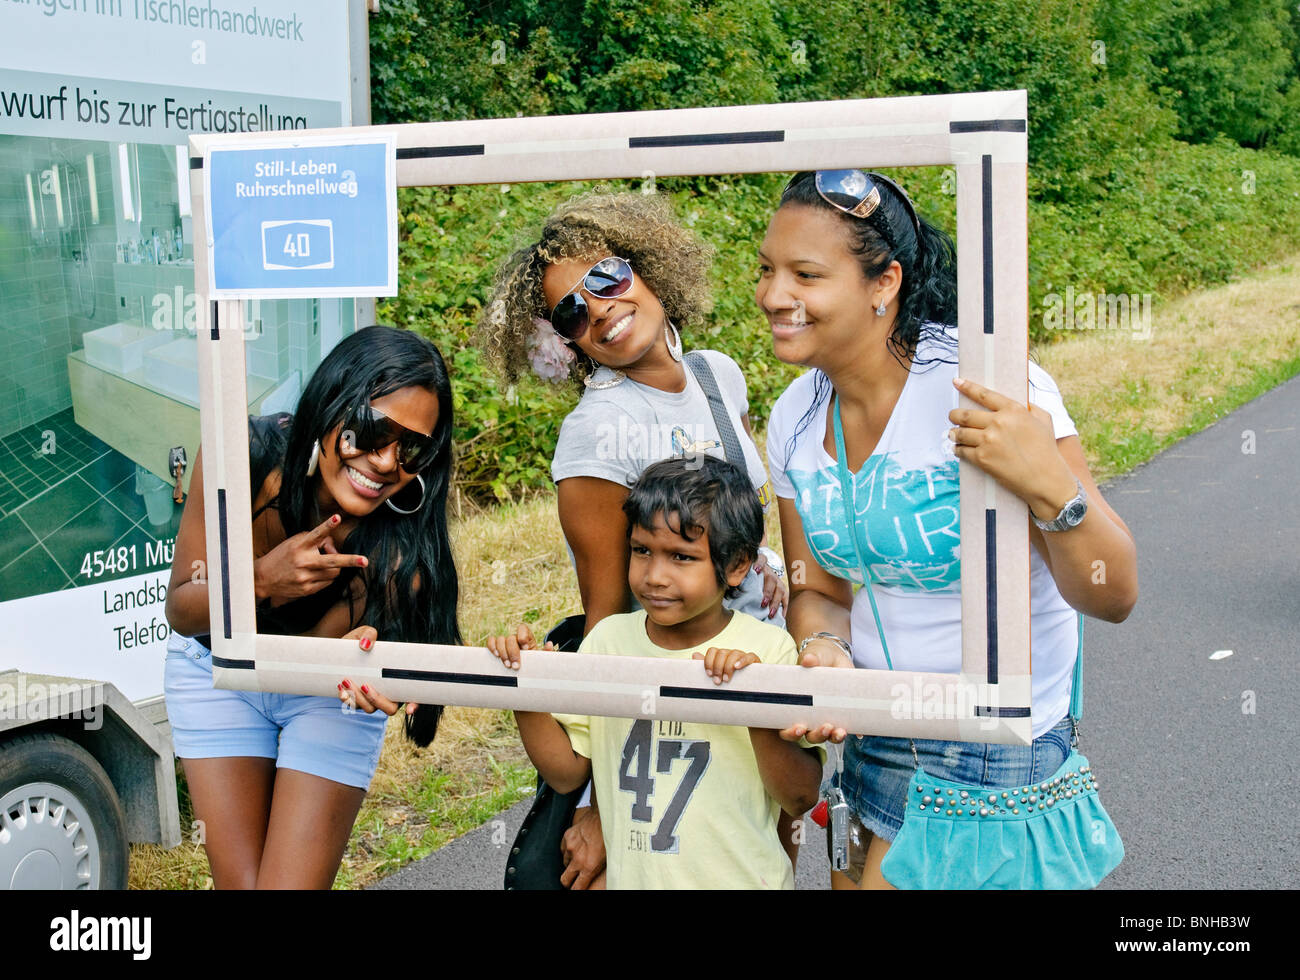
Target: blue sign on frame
{"type": "Point", "coordinates": [310, 217]}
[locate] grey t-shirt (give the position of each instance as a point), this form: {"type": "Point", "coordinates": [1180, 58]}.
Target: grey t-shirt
{"type": "Point", "coordinates": [615, 433]}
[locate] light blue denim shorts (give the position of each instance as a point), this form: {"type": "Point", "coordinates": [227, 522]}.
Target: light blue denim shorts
{"type": "Point", "coordinates": [878, 770]}
{"type": "Point", "coordinates": [314, 735]}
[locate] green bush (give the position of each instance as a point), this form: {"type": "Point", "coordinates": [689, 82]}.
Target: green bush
{"type": "Point", "coordinates": [1225, 66]}
{"type": "Point", "coordinates": [1182, 217]}
{"type": "Point", "coordinates": [1117, 203]}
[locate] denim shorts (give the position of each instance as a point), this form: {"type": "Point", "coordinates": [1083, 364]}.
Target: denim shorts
{"type": "Point", "coordinates": [877, 770]}
{"type": "Point", "coordinates": [314, 735]}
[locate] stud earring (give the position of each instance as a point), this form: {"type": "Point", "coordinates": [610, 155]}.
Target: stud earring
{"type": "Point", "coordinates": [314, 460]}
{"type": "Point", "coordinates": [880, 310]}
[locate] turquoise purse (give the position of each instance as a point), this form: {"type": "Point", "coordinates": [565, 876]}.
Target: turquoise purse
{"type": "Point", "coordinates": [1053, 834]}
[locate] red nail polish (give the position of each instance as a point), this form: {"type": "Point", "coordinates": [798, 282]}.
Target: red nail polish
{"type": "Point", "coordinates": [364, 689]}
{"type": "Point", "coordinates": [365, 643]}
{"type": "Point", "coordinates": [347, 685]}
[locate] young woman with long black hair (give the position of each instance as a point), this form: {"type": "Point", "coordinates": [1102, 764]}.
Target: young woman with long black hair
{"type": "Point", "coordinates": [349, 540]}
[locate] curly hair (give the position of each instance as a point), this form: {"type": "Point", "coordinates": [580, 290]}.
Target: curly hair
{"type": "Point", "coordinates": [642, 228]}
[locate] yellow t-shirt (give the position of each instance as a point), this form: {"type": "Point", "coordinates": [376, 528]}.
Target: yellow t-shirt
{"type": "Point", "coordinates": [682, 805]}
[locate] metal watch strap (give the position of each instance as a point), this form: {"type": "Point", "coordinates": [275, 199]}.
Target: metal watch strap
{"type": "Point", "coordinates": [1059, 523]}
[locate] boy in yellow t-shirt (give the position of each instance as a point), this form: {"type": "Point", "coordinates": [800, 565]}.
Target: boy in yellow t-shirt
{"type": "Point", "coordinates": [683, 805]}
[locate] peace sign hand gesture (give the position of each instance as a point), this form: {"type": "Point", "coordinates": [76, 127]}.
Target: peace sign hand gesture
{"type": "Point", "coordinates": [302, 564]}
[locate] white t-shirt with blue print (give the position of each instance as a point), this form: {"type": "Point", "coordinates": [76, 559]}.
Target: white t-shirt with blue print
{"type": "Point", "coordinates": [908, 508]}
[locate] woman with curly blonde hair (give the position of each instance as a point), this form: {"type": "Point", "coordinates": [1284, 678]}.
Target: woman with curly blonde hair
{"type": "Point", "coordinates": [641, 229]}
{"type": "Point", "coordinates": [599, 297]}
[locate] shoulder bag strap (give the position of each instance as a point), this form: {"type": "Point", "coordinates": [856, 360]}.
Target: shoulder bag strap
{"type": "Point", "coordinates": [1076, 685]}
{"type": "Point", "coordinates": [704, 375]}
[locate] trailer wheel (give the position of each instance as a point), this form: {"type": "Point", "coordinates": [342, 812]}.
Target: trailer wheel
{"type": "Point", "coordinates": [61, 823]}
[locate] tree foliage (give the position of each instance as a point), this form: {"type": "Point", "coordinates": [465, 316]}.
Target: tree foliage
{"type": "Point", "coordinates": [1225, 66]}
{"type": "Point", "coordinates": [1159, 136]}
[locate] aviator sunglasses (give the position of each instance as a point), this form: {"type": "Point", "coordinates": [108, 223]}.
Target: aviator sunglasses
{"type": "Point", "coordinates": [606, 279]}
{"type": "Point", "coordinates": [857, 193]}
{"type": "Point", "coordinates": [369, 430]}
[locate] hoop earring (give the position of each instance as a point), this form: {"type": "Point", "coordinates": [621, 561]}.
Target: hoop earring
{"type": "Point", "coordinates": [314, 460]}
{"type": "Point", "coordinates": [420, 480]}
{"type": "Point", "coordinates": [880, 310]}
{"type": "Point", "coordinates": [673, 340]}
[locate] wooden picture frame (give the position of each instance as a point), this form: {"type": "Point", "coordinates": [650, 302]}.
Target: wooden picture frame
{"type": "Point", "coordinates": [981, 136]}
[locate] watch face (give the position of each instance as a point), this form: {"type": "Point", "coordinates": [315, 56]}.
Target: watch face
{"type": "Point", "coordinates": [1074, 513]}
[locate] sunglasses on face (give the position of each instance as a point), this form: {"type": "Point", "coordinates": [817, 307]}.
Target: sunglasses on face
{"type": "Point", "coordinates": [857, 193]}
{"type": "Point", "coordinates": [369, 430]}
{"type": "Point", "coordinates": [606, 279]}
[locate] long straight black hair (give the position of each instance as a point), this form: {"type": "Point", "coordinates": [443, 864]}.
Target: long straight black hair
{"type": "Point", "coordinates": [927, 299]}
{"type": "Point", "coordinates": [410, 581]}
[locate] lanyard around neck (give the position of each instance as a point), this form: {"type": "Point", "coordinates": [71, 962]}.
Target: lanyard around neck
{"type": "Point", "coordinates": [848, 497]}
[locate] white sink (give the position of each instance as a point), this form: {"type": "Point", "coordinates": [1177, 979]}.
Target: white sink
{"type": "Point", "coordinates": [121, 347]}
{"type": "Point", "coordinates": [173, 369]}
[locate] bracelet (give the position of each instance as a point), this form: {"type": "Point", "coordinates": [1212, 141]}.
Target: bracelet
{"type": "Point", "coordinates": [774, 561]}
{"type": "Point", "coordinates": [839, 641]}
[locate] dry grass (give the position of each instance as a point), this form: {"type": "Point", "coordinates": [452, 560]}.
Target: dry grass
{"type": "Point", "coordinates": [512, 568]}
{"type": "Point", "coordinates": [1208, 352]}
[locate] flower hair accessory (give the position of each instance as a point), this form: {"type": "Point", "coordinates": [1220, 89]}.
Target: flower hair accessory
{"type": "Point", "coordinates": [549, 354]}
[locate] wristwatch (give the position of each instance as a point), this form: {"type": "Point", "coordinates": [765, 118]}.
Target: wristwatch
{"type": "Point", "coordinates": [1071, 514]}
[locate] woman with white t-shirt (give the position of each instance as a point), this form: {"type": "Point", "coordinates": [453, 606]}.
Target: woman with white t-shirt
{"type": "Point", "coordinates": [599, 297]}
{"type": "Point", "coordinates": [857, 287]}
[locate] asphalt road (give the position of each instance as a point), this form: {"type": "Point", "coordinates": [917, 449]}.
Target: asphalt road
{"type": "Point", "coordinates": [1191, 752]}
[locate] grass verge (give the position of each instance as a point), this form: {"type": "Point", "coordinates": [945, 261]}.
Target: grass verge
{"type": "Point", "coordinates": [1208, 353]}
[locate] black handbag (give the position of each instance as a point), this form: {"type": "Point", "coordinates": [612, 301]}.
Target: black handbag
{"type": "Point", "coordinates": [535, 862]}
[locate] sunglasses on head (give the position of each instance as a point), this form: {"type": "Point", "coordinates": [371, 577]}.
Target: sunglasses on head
{"type": "Point", "coordinates": [858, 193]}
{"type": "Point", "coordinates": [369, 430]}
{"type": "Point", "coordinates": [606, 279]}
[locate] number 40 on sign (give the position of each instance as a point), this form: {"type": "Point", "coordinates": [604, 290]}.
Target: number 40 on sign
{"type": "Point", "coordinates": [306, 244]}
